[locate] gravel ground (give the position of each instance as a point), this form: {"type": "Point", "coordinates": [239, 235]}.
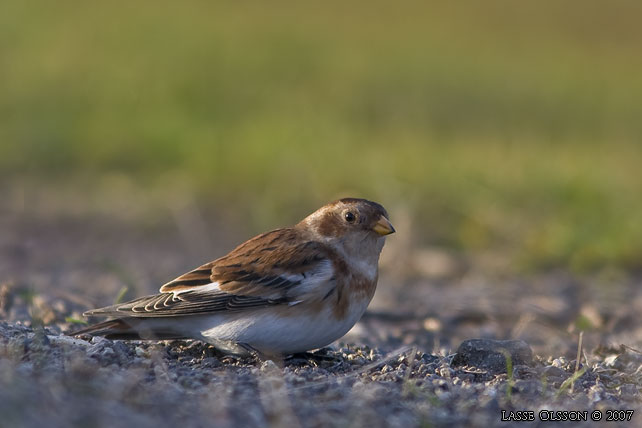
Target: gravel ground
{"type": "Point", "coordinates": [46, 377]}
{"type": "Point", "coordinates": [403, 365]}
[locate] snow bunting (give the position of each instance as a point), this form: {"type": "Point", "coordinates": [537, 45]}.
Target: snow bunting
{"type": "Point", "coordinates": [286, 291]}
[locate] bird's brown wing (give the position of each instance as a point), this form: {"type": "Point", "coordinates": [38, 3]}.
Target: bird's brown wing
{"type": "Point", "coordinates": [279, 267]}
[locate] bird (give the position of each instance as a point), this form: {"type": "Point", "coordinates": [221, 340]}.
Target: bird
{"type": "Point", "coordinates": [283, 292]}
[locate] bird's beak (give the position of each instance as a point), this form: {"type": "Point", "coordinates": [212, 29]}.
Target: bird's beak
{"type": "Point", "coordinates": [383, 227]}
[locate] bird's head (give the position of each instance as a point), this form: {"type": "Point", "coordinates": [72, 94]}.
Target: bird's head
{"type": "Point", "coordinates": [356, 224]}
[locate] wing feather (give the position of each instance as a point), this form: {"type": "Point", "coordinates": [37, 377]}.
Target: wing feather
{"type": "Point", "coordinates": [279, 267]}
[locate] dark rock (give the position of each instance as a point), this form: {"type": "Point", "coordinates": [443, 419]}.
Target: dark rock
{"type": "Point", "coordinates": [552, 371]}
{"type": "Point", "coordinates": [528, 387]}
{"type": "Point", "coordinates": [524, 372]}
{"type": "Point", "coordinates": [491, 354]}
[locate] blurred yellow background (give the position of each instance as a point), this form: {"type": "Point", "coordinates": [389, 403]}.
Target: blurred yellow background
{"type": "Point", "coordinates": [503, 127]}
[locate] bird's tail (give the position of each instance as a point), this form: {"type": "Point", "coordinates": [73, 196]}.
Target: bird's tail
{"type": "Point", "coordinates": [127, 329]}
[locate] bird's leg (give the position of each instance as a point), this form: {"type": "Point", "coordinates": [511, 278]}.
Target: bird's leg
{"type": "Point", "coordinates": [315, 358]}
{"type": "Point", "coordinates": [261, 355]}
{"type": "Point", "coordinates": [324, 354]}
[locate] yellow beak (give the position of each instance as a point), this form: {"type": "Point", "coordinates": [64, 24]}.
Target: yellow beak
{"type": "Point", "coordinates": [383, 227]}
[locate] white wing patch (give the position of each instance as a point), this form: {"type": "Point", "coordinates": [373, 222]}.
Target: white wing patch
{"type": "Point", "coordinates": [316, 281]}
{"type": "Point", "coordinates": [212, 286]}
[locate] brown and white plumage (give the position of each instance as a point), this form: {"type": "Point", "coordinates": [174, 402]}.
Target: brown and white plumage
{"type": "Point", "coordinates": [285, 291]}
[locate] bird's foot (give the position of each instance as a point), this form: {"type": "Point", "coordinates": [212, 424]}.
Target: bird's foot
{"type": "Point", "coordinates": [316, 358]}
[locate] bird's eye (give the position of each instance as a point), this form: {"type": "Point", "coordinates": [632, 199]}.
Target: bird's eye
{"type": "Point", "coordinates": [350, 217]}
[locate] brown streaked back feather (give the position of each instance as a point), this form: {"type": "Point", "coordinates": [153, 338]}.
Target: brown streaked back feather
{"type": "Point", "coordinates": [259, 267]}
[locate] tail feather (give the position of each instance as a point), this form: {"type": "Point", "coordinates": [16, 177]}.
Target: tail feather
{"type": "Point", "coordinates": [127, 329]}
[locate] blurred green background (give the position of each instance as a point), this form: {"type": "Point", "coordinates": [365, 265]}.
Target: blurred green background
{"type": "Point", "coordinates": [497, 126]}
